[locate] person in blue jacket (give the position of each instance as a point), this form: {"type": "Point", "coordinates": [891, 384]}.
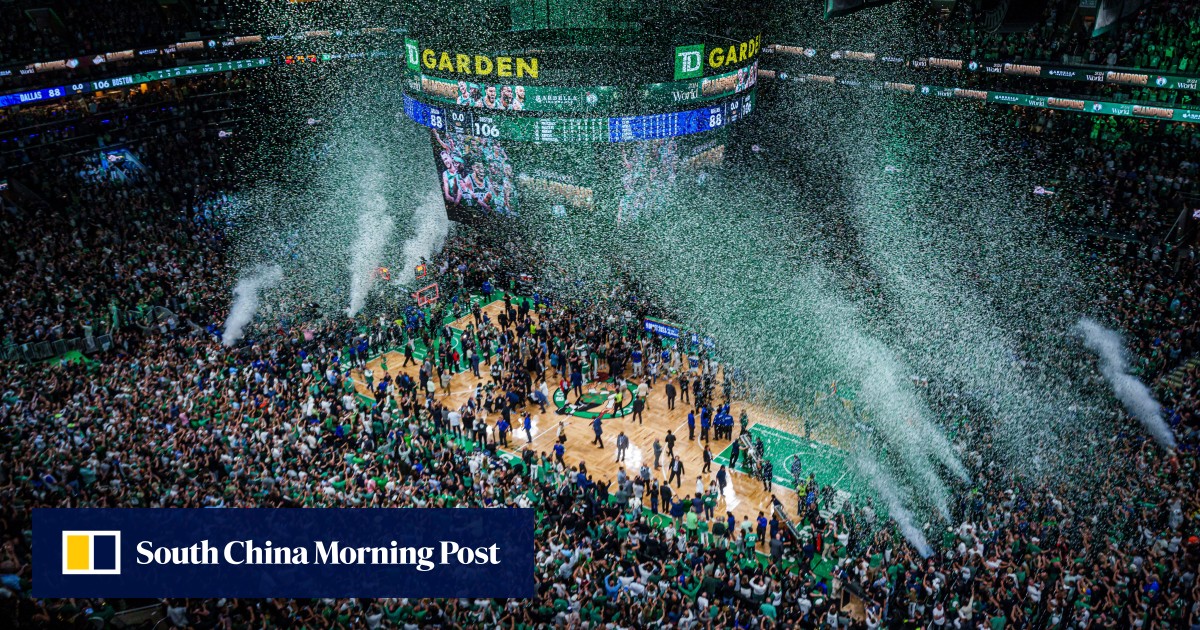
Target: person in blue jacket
{"type": "Point", "coordinates": [502, 431]}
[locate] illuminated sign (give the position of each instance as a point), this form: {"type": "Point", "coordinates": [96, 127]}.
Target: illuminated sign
{"type": "Point", "coordinates": [1169, 82]}
{"type": "Point", "coordinates": [564, 193]}
{"type": "Point", "coordinates": [51, 93]}
{"type": "Point", "coordinates": [517, 98]}
{"type": "Point", "coordinates": [1005, 98]}
{"type": "Point", "coordinates": [1127, 78]}
{"type": "Point", "coordinates": [534, 98]}
{"type": "Point", "coordinates": [692, 61]}
{"type": "Point", "coordinates": [1065, 103]}
{"type": "Point", "coordinates": [721, 56]}
{"type": "Point", "coordinates": [694, 91]}
{"type": "Point", "coordinates": [1045, 102]}
{"type": "Point", "coordinates": [472, 65]}
{"type": "Point", "coordinates": [580, 129]}
{"type": "Point", "coordinates": [901, 87]}
{"type": "Point", "coordinates": [976, 94]}
{"type": "Point", "coordinates": [1023, 69]}
{"type": "Point", "coordinates": [955, 64]}
{"type": "Point", "coordinates": [1146, 111]}
{"type": "Point", "coordinates": [412, 54]}
{"type": "Point", "coordinates": [689, 62]}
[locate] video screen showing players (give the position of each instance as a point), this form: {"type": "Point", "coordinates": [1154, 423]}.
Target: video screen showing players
{"type": "Point", "coordinates": [476, 176]}
{"type": "Point", "coordinates": [482, 95]}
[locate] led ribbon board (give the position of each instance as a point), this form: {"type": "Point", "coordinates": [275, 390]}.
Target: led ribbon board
{"type": "Point", "coordinates": [508, 97]}
{"type": "Point", "coordinates": [129, 80]}
{"type": "Point", "coordinates": [593, 129]}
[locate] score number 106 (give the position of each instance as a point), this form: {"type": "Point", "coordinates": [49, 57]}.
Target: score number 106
{"type": "Point", "coordinates": [485, 129]}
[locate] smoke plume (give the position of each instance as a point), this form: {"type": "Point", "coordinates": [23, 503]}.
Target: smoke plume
{"type": "Point", "coordinates": [245, 300]}
{"type": "Point", "coordinates": [1138, 401]}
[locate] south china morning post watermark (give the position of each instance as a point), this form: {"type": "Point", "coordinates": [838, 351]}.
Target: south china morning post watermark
{"type": "Point", "coordinates": [286, 553]}
{"type": "Point", "coordinates": [333, 552]}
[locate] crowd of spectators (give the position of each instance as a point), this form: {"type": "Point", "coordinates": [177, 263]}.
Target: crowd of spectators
{"type": "Point", "coordinates": [1164, 35]}
{"type": "Point", "coordinates": [48, 31]}
{"type": "Point", "coordinates": [1132, 186]}
{"type": "Point", "coordinates": [171, 418]}
{"type": "Point", "coordinates": [103, 236]}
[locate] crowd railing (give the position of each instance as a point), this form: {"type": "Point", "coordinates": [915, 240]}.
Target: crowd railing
{"type": "Point", "coordinates": [145, 318]}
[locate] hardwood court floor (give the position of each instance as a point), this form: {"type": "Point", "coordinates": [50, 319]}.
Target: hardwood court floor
{"type": "Point", "coordinates": [744, 496]}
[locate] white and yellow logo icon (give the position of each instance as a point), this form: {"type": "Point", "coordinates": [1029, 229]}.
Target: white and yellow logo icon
{"type": "Point", "coordinates": [91, 553]}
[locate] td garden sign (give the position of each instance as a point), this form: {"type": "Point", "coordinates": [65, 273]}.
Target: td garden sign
{"type": "Point", "coordinates": [698, 59]}
{"type": "Point", "coordinates": [459, 63]}
{"type": "Point", "coordinates": [691, 61]}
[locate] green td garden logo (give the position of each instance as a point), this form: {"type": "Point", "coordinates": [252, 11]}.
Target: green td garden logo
{"type": "Point", "coordinates": [689, 61]}
{"type": "Point", "coordinates": [412, 54]}
{"type": "Point", "coordinates": [598, 400]}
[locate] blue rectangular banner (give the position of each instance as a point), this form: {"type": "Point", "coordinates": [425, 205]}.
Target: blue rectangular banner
{"type": "Point", "coordinates": [283, 553]}
{"type": "Point", "coordinates": [661, 328]}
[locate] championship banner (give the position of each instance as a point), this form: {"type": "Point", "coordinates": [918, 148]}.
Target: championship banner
{"type": "Point", "coordinates": [283, 553]}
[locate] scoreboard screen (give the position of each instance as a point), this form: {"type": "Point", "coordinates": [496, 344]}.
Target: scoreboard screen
{"type": "Point", "coordinates": [128, 80]}
{"type": "Point", "coordinates": [486, 124]}
{"type": "Point", "coordinates": [476, 176]}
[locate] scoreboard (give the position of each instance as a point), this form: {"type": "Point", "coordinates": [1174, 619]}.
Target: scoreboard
{"type": "Point", "coordinates": [486, 124]}
{"type": "Point", "coordinates": [128, 80]}
{"type": "Point", "coordinates": [564, 106]}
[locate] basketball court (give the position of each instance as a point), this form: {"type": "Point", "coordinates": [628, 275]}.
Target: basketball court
{"type": "Point", "coordinates": [745, 495]}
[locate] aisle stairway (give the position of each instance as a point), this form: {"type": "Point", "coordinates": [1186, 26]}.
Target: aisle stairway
{"type": "Point", "coordinates": [1173, 381]}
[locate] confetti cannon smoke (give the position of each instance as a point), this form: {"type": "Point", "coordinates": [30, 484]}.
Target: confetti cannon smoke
{"type": "Point", "coordinates": [429, 234]}
{"type": "Point", "coordinates": [374, 229]}
{"type": "Point", "coordinates": [246, 298]}
{"type": "Point", "coordinates": [1132, 393]}
{"type": "Point", "coordinates": [896, 501]}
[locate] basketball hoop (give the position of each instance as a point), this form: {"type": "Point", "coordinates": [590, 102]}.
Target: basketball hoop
{"type": "Point", "coordinates": [426, 296]}
{"type": "Point", "coordinates": [422, 271]}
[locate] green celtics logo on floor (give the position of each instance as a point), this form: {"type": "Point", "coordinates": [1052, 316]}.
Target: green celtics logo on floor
{"type": "Point", "coordinates": [598, 399]}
